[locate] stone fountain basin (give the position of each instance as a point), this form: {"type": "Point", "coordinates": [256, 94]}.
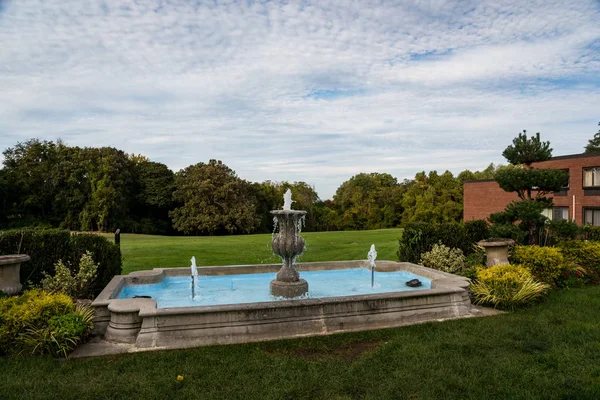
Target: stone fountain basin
{"type": "Point", "coordinates": [140, 322]}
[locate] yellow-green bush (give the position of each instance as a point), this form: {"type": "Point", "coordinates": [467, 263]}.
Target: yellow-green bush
{"type": "Point", "coordinates": [506, 286]}
{"type": "Point", "coordinates": [586, 254]}
{"type": "Point", "coordinates": [32, 310]}
{"type": "Point", "coordinates": [61, 334]}
{"type": "Point", "coordinates": [545, 263]}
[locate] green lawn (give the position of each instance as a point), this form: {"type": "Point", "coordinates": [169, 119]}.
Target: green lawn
{"type": "Point", "coordinates": [147, 251]}
{"type": "Point", "coordinates": [551, 351]}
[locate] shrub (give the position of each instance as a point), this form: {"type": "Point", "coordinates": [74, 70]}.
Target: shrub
{"type": "Point", "coordinates": [477, 230]}
{"type": "Point", "coordinates": [76, 286]}
{"type": "Point", "coordinates": [418, 238]}
{"type": "Point", "coordinates": [545, 263]}
{"type": "Point", "coordinates": [106, 254]}
{"type": "Point", "coordinates": [506, 286]}
{"type": "Point", "coordinates": [477, 257]}
{"type": "Point", "coordinates": [590, 232]}
{"type": "Point", "coordinates": [469, 272]}
{"type": "Point", "coordinates": [444, 258]}
{"type": "Point", "coordinates": [32, 310]}
{"type": "Point", "coordinates": [508, 231]}
{"type": "Point", "coordinates": [47, 247]}
{"type": "Point", "coordinates": [585, 254]}
{"type": "Point", "coordinates": [61, 335]}
{"type": "Point", "coordinates": [563, 230]}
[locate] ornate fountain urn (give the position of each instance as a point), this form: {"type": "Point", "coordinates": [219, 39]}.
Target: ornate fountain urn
{"type": "Point", "coordinates": [288, 244]}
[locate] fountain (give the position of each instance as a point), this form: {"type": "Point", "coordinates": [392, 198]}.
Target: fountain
{"type": "Point", "coordinates": [288, 244]}
{"type": "Point", "coordinates": [371, 256]}
{"type": "Point", "coordinates": [194, 269]}
{"type": "Point", "coordinates": [340, 299]}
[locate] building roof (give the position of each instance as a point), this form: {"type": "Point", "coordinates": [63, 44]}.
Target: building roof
{"type": "Point", "coordinates": [565, 157]}
{"type": "Point", "coordinates": [581, 155]}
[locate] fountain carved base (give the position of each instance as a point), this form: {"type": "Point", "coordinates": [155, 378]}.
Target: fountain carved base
{"type": "Point", "coordinates": [289, 290]}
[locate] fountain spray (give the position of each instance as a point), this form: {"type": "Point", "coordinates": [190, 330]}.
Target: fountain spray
{"type": "Point", "coordinates": [194, 276]}
{"type": "Point", "coordinates": [371, 256]}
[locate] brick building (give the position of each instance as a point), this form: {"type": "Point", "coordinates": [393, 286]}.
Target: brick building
{"type": "Point", "coordinates": [580, 201]}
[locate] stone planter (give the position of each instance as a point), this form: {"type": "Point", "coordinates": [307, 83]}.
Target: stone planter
{"type": "Point", "coordinates": [496, 250]}
{"type": "Point", "coordinates": [10, 269]}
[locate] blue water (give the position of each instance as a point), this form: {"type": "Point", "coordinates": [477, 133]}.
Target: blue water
{"type": "Point", "coordinates": [254, 288]}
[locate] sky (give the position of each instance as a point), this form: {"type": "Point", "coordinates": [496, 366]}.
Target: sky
{"type": "Point", "coordinates": [302, 91]}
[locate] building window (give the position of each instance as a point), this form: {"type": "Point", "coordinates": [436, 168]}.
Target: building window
{"type": "Point", "coordinates": [557, 213]}
{"type": "Point", "coordinates": [547, 212]}
{"type": "Point", "coordinates": [591, 216]}
{"type": "Point", "coordinates": [560, 214]}
{"type": "Point", "coordinates": [566, 187]}
{"type": "Point", "coordinates": [591, 177]}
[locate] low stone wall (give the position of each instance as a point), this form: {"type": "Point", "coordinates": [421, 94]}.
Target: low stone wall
{"type": "Point", "coordinates": [139, 321]}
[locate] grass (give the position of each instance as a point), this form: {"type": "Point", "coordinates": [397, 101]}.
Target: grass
{"type": "Point", "coordinates": [551, 351]}
{"type": "Point", "coordinates": [142, 252]}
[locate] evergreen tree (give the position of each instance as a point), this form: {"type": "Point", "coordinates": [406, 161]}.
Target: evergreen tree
{"type": "Point", "coordinates": [524, 217]}
{"type": "Point", "coordinates": [527, 151]}
{"type": "Point", "coordinates": [593, 145]}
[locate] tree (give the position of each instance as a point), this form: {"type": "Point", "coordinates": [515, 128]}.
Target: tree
{"type": "Point", "coordinates": [30, 167]}
{"type": "Point", "coordinates": [326, 216]}
{"type": "Point", "coordinates": [593, 145]}
{"type": "Point", "coordinates": [72, 187]}
{"type": "Point", "coordinates": [531, 185]}
{"type": "Point", "coordinates": [433, 198]}
{"type": "Point", "coordinates": [155, 183]}
{"type": "Point", "coordinates": [488, 173]}
{"type": "Point", "coordinates": [8, 196]}
{"type": "Point", "coordinates": [369, 201]}
{"type": "Point", "coordinates": [527, 151]}
{"type": "Point", "coordinates": [270, 197]}
{"type": "Point", "coordinates": [109, 173]}
{"type": "Point", "coordinates": [212, 199]}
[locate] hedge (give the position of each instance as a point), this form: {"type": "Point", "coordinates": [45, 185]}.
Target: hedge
{"type": "Point", "coordinates": [47, 247]}
{"type": "Point", "coordinates": [105, 253]}
{"type": "Point", "coordinates": [590, 232]}
{"type": "Point", "coordinates": [418, 238]}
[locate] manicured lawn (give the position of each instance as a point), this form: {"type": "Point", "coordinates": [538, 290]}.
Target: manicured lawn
{"type": "Point", "coordinates": [146, 251]}
{"type": "Point", "coordinates": [551, 351]}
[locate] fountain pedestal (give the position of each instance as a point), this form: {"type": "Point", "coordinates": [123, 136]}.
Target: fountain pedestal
{"type": "Point", "coordinates": [288, 244]}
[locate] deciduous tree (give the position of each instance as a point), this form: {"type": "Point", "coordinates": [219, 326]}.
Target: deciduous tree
{"type": "Point", "coordinates": [433, 198]}
{"type": "Point", "coordinates": [212, 199]}
{"type": "Point", "coordinates": [369, 201]}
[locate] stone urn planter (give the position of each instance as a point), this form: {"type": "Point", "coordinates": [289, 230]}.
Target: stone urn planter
{"type": "Point", "coordinates": [10, 269]}
{"type": "Point", "coordinates": [496, 250]}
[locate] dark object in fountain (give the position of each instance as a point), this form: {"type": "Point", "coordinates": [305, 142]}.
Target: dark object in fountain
{"type": "Point", "coordinates": [142, 297]}
{"type": "Point", "coordinates": [414, 283]}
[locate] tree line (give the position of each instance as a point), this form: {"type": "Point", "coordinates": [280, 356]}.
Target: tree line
{"type": "Point", "coordinates": [51, 184]}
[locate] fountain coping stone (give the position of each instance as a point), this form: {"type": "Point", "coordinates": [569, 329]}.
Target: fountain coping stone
{"type": "Point", "coordinates": [287, 212]}
{"type": "Point", "coordinates": [14, 259]}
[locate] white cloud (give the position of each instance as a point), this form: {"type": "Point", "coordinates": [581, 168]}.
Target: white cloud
{"type": "Point", "coordinates": [298, 91]}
